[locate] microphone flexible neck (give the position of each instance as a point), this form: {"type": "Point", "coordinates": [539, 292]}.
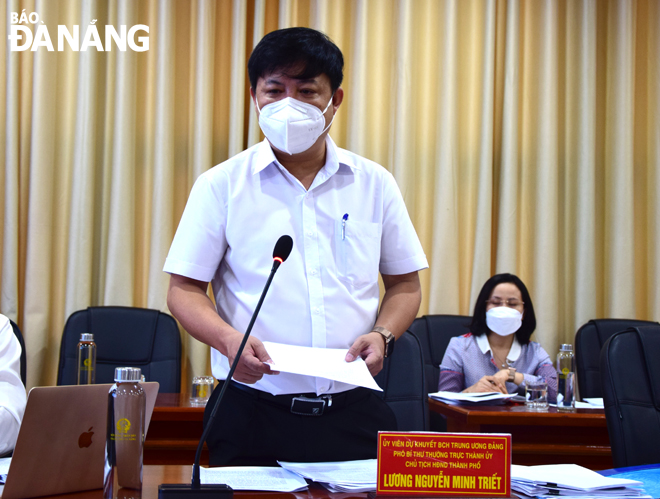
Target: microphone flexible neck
{"type": "Point", "coordinates": [196, 480]}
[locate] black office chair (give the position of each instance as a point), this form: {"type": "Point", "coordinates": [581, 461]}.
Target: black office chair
{"type": "Point", "coordinates": [124, 336]}
{"type": "Point", "coordinates": [19, 335]}
{"type": "Point", "coordinates": [404, 388]}
{"type": "Point", "coordinates": [434, 333]}
{"type": "Point", "coordinates": [630, 376]}
{"type": "Point", "coordinates": [589, 341]}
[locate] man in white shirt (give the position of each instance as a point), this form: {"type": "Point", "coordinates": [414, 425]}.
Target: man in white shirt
{"type": "Point", "coordinates": [12, 391]}
{"type": "Point", "coordinates": [348, 223]}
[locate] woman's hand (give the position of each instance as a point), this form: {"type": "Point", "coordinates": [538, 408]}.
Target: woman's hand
{"type": "Point", "coordinates": [488, 384]}
{"type": "Point", "coordinates": [502, 376]}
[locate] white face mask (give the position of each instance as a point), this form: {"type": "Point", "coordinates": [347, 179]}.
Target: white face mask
{"type": "Point", "coordinates": [292, 126]}
{"type": "Point", "coordinates": [503, 320]}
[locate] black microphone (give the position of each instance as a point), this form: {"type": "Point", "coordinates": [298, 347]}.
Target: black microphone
{"type": "Point", "coordinates": [195, 489]}
{"type": "Point", "coordinates": [282, 250]}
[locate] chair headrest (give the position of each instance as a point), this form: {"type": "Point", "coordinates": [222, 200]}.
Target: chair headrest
{"type": "Point", "coordinates": [132, 331]}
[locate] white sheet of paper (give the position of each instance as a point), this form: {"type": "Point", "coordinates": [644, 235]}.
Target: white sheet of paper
{"type": "Point", "coordinates": [568, 475]}
{"type": "Point", "coordinates": [355, 489]}
{"type": "Point", "coordinates": [326, 363]}
{"type": "Point", "coordinates": [595, 403]}
{"type": "Point", "coordinates": [361, 472]}
{"type": "Point", "coordinates": [254, 478]}
{"type": "Point", "coordinates": [471, 397]}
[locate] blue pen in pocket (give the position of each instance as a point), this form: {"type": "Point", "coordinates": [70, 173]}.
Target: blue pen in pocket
{"type": "Point", "coordinates": [344, 219]}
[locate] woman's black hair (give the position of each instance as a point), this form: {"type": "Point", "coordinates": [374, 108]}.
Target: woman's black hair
{"type": "Point", "coordinates": [478, 325]}
{"type": "Point", "coordinates": [300, 53]}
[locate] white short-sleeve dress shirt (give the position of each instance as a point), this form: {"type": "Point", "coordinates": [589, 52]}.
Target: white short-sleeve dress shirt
{"type": "Point", "coordinates": [326, 294]}
{"type": "Point", "coordinates": [12, 391]}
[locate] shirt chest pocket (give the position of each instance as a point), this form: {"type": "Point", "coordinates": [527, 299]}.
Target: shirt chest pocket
{"type": "Point", "coordinates": [358, 252]}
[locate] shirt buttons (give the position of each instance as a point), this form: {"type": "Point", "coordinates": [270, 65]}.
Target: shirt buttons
{"type": "Point", "coordinates": [317, 310]}
{"type": "Point", "coordinates": [313, 271]}
{"type": "Point", "coordinates": [310, 233]}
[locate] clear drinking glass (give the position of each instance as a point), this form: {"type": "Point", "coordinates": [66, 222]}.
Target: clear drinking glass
{"type": "Point", "coordinates": [202, 386]}
{"type": "Point", "coordinates": [536, 395]}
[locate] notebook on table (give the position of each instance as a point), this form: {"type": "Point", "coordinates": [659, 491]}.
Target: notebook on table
{"type": "Point", "coordinates": [61, 443]}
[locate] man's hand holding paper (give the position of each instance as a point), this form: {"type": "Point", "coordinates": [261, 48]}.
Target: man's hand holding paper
{"type": "Point", "coordinates": [369, 347]}
{"type": "Point", "coordinates": [329, 363]}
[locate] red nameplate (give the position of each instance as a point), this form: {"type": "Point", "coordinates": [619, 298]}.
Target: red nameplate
{"type": "Point", "coordinates": [444, 464]}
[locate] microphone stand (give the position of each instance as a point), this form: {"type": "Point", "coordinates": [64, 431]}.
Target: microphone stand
{"type": "Point", "coordinates": [196, 489]}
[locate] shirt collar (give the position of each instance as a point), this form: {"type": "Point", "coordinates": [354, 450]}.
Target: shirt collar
{"type": "Point", "coordinates": [514, 352]}
{"type": "Point", "coordinates": [335, 156]}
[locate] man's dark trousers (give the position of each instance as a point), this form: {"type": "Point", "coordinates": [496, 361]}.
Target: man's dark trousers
{"type": "Point", "coordinates": [254, 428]}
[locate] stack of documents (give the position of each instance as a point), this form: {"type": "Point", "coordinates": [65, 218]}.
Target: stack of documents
{"type": "Point", "coordinates": [271, 479]}
{"type": "Point", "coordinates": [344, 476]}
{"type": "Point", "coordinates": [570, 480]}
{"type": "Point", "coordinates": [487, 398]}
{"type": "Point", "coordinates": [590, 403]}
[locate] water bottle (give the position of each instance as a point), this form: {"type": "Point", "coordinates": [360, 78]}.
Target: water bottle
{"type": "Point", "coordinates": [566, 379]}
{"type": "Point", "coordinates": [122, 477]}
{"type": "Point", "coordinates": [86, 359]}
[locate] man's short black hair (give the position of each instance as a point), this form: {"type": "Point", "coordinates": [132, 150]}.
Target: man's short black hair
{"type": "Point", "coordinates": [479, 327]}
{"type": "Point", "coordinates": [300, 53]}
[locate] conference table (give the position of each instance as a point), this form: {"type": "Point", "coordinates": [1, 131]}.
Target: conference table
{"type": "Point", "coordinates": [154, 475]}
{"type": "Point", "coordinates": [537, 437]}
{"type": "Point", "coordinates": [174, 432]}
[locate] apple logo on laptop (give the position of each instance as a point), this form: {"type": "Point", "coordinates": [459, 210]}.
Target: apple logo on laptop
{"type": "Point", "coordinates": [85, 439]}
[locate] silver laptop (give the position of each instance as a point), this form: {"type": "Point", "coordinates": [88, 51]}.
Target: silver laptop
{"type": "Point", "coordinates": [61, 443]}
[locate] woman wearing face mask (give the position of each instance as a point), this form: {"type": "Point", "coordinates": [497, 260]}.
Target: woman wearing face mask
{"type": "Point", "coordinates": [497, 356]}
